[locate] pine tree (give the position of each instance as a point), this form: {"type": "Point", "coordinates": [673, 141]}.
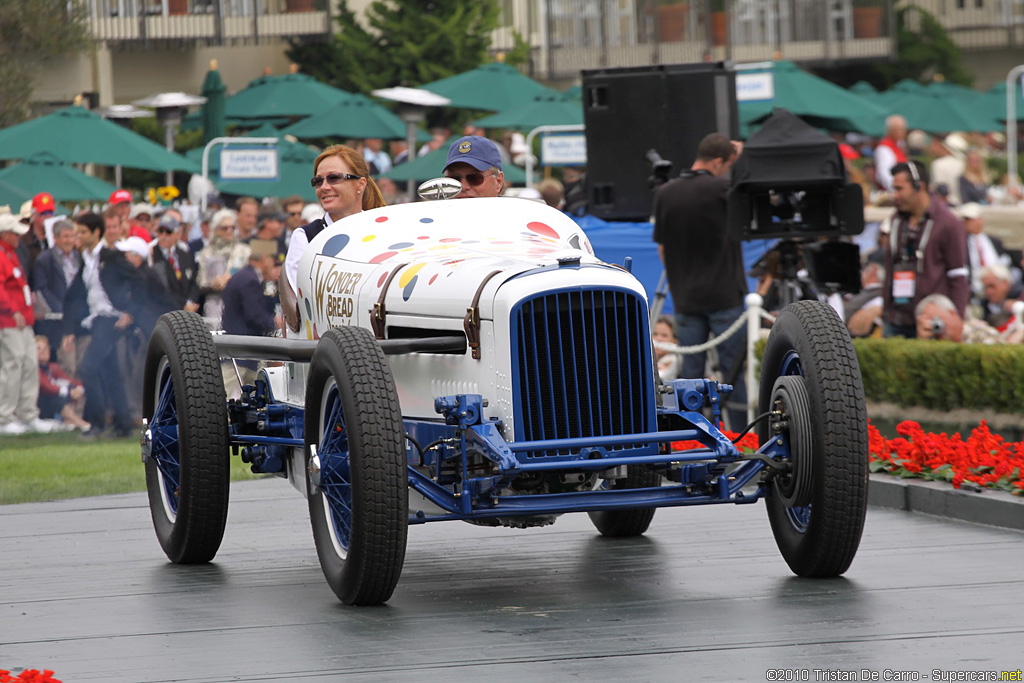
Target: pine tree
{"type": "Point", "coordinates": [403, 42]}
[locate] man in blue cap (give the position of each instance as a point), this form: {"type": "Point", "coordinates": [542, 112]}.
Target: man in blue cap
{"type": "Point", "coordinates": [475, 162]}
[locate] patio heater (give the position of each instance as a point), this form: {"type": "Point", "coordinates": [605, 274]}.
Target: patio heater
{"type": "Point", "coordinates": [122, 114]}
{"type": "Point", "coordinates": [412, 108]}
{"type": "Point", "coordinates": [170, 107]}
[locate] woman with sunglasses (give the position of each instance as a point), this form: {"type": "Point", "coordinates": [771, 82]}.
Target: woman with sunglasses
{"type": "Point", "coordinates": [224, 256]}
{"type": "Point", "coordinates": [343, 187]}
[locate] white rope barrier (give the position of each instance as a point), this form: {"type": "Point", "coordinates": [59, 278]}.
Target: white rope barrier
{"type": "Point", "coordinates": [752, 318]}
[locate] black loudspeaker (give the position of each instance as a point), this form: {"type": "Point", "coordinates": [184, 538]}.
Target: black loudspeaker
{"type": "Point", "coordinates": [665, 108]}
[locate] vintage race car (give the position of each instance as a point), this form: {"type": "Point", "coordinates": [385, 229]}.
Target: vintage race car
{"type": "Point", "coordinates": [474, 360]}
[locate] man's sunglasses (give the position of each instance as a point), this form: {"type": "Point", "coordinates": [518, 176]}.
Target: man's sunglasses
{"type": "Point", "coordinates": [474, 179]}
{"type": "Point", "coordinates": [333, 178]}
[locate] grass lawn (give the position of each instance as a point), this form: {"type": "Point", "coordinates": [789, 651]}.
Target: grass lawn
{"type": "Point", "coordinates": [54, 466]}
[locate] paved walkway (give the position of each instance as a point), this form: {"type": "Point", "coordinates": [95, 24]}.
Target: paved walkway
{"type": "Point", "coordinates": [86, 591]}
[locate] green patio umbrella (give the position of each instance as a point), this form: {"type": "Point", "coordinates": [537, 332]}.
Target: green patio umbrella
{"type": "Point", "coordinates": [295, 168]}
{"type": "Point", "coordinates": [492, 87]}
{"type": "Point", "coordinates": [44, 172]}
{"type": "Point", "coordinates": [818, 102]}
{"type": "Point", "coordinates": [214, 124]}
{"type": "Point", "coordinates": [432, 165]}
{"type": "Point", "coordinates": [863, 88]}
{"type": "Point", "coordinates": [541, 110]}
{"type": "Point", "coordinates": [994, 102]}
{"type": "Point", "coordinates": [941, 110]}
{"type": "Point", "coordinates": [78, 136]}
{"type": "Point", "coordinates": [356, 117]}
{"type": "Point", "coordinates": [290, 95]}
{"type": "Point", "coordinates": [575, 92]}
{"type": "Point", "coordinates": [12, 196]}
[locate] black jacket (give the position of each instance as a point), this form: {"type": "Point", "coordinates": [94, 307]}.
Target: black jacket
{"type": "Point", "coordinates": [48, 277]}
{"type": "Point", "coordinates": [248, 309]}
{"type": "Point", "coordinates": [183, 289]}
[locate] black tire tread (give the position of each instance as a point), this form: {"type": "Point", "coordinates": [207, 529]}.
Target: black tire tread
{"type": "Point", "coordinates": [197, 532]}
{"type": "Point", "coordinates": [378, 468]}
{"type": "Point", "coordinates": [627, 523]}
{"type": "Point", "coordinates": [833, 381]}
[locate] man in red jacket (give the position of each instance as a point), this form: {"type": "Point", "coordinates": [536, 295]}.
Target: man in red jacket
{"type": "Point", "coordinates": [19, 372]}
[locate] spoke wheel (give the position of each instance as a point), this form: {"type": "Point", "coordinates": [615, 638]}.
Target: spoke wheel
{"type": "Point", "coordinates": [356, 469]}
{"type": "Point", "coordinates": [817, 512]}
{"type": "Point", "coordinates": [187, 472]}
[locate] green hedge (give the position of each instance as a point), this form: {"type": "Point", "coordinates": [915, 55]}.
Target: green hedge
{"type": "Point", "coordinates": [941, 375]}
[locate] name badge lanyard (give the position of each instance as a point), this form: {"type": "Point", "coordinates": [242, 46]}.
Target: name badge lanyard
{"type": "Point", "coordinates": [904, 279]}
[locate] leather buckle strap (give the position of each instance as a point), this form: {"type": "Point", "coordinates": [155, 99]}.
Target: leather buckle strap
{"type": "Point", "coordinates": [380, 313]}
{"type": "Point", "coordinates": [471, 323]}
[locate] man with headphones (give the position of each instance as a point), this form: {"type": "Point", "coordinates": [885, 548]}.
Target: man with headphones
{"type": "Point", "coordinates": [703, 264]}
{"type": "Point", "coordinates": [925, 252]}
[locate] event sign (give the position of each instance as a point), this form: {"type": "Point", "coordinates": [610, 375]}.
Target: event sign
{"type": "Point", "coordinates": [248, 163]}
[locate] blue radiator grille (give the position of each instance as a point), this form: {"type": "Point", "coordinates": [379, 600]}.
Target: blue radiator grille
{"type": "Point", "coordinates": [582, 366]}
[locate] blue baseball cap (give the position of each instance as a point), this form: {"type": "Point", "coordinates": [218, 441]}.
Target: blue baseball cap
{"type": "Point", "coordinates": [478, 152]}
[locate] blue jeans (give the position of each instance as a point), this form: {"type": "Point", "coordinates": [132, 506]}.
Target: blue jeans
{"type": "Point", "coordinates": [693, 329]}
{"type": "Point", "coordinates": [100, 372]}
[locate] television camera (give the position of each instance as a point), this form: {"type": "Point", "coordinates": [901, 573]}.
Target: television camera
{"type": "Point", "coordinates": [790, 185]}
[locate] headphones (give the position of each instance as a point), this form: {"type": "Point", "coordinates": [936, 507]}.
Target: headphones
{"type": "Point", "coordinates": [914, 177]}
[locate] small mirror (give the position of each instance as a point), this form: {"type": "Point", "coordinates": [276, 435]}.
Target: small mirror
{"type": "Point", "coordinates": [439, 188]}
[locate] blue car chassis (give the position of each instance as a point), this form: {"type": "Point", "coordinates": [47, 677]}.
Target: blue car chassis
{"type": "Point", "coordinates": [262, 431]}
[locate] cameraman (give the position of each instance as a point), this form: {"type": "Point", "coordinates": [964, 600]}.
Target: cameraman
{"type": "Point", "coordinates": [703, 264]}
{"type": "Point", "coordinates": [925, 252]}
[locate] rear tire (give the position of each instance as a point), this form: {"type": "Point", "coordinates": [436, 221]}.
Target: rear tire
{"type": "Point", "coordinates": [820, 539]}
{"type": "Point", "coordinates": [187, 473]}
{"type": "Point", "coordinates": [627, 523]}
{"type": "Point", "coordinates": [357, 484]}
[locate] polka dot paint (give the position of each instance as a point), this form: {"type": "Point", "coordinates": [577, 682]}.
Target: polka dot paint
{"type": "Point", "coordinates": [407, 290]}
{"type": "Point", "coordinates": [369, 238]}
{"type": "Point", "coordinates": [381, 219]}
{"type": "Point", "coordinates": [542, 229]}
{"type": "Point", "coordinates": [400, 245]}
{"type": "Point", "coordinates": [383, 277]}
{"type": "Point", "coordinates": [335, 244]}
{"type": "Point", "coordinates": [426, 220]}
{"type": "Point", "coordinates": [380, 258]}
{"type": "Point", "coordinates": [409, 273]}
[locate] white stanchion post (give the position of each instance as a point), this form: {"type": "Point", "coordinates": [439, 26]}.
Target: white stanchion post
{"type": "Point", "coordinates": [1018, 313]}
{"type": "Point", "coordinates": [754, 303]}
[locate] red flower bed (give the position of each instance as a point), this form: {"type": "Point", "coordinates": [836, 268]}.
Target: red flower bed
{"type": "Point", "coordinates": [748, 442]}
{"type": "Point", "coordinates": [985, 459]}
{"type": "Point", "coordinates": [28, 676]}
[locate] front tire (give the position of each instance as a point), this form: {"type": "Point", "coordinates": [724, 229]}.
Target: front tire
{"type": "Point", "coordinates": [187, 472]}
{"type": "Point", "coordinates": [356, 467]}
{"type": "Point", "coordinates": [819, 539]}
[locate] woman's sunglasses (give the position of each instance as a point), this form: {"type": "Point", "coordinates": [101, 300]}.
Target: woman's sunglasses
{"type": "Point", "coordinates": [474, 179]}
{"type": "Point", "coordinates": [333, 178]}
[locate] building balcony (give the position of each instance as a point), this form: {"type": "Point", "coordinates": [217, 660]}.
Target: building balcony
{"type": "Point", "coordinates": [979, 24]}
{"type": "Point", "coordinates": [570, 35]}
{"type": "Point", "coordinates": [202, 21]}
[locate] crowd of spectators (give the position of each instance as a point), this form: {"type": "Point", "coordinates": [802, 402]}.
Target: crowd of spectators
{"type": "Point", "coordinates": [82, 291]}
{"type": "Point", "coordinates": [935, 242]}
